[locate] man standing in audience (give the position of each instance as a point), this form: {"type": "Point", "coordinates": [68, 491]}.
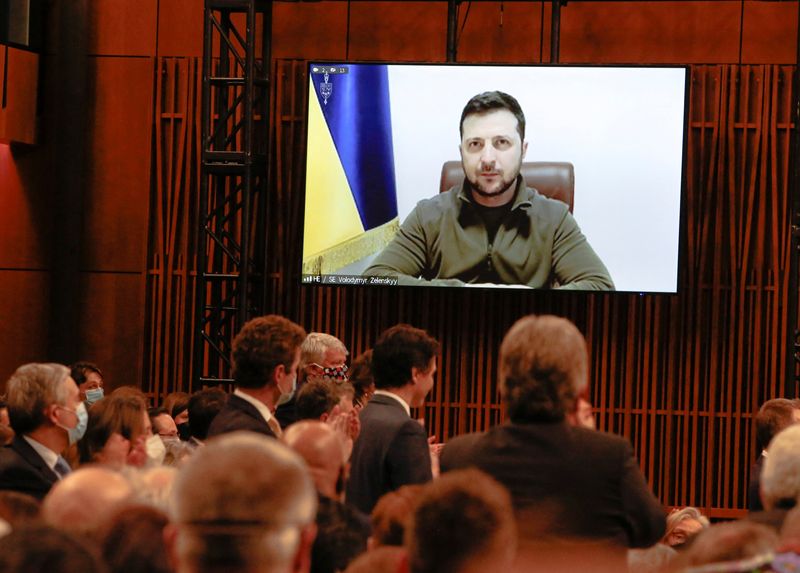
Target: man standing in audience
{"type": "Point", "coordinates": [321, 355]}
{"type": "Point", "coordinates": [773, 416]}
{"type": "Point", "coordinates": [392, 449]}
{"type": "Point", "coordinates": [266, 355]}
{"type": "Point", "coordinates": [565, 481]}
{"type": "Point", "coordinates": [47, 415]}
{"type": "Point", "coordinates": [242, 503]}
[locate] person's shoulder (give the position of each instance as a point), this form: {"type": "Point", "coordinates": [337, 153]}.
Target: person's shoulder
{"type": "Point", "coordinates": [542, 204]}
{"type": "Point", "coordinates": [433, 207]}
{"type": "Point", "coordinates": [599, 443]}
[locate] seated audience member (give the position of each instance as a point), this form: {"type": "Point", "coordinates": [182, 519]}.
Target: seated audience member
{"type": "Point", "coordinates": [391, 515]}
{"type": "Point", "coordinates": [736, 546]}
{"type": "Point", "coordinates": [6, 433]}
{"type": "Point", "coordinates": [153, 486]}
{"type": "Point", "coordinates": [361, 378]}
{"type": "Point", "coordinates": [164, 427]}
{"type": "Point", "coordinates": [133, 540]}
{"type": "Point", "coordinates": [388, 559]}
{"type": "Point", "coordinates": [18, 509]}
{"type": "Point", "coordinates": [780, 478]}
{"type": "Point", "coordinates": [773, 416]}
{"type": "Point", "coordinates": [321, 448]}
{"type": "Point", "coordinates": [566, 482]}
{"type": "Point", "coordinates": [89, 379]}
{"type": "Point", "coordinates": [163, 424]}
{"type": "Point", "coordinates": [45, 549]}
{"type": "Point", "coordinates": [243, 502]}
{"type": "Point", "coordinates": [119, 432]}
{"type": "Point", "coordinates": [320, 355]}
{"type": "Point", "coordinates": [47, 416]}
{"type": "Point", "coordinates": [177, 403]}
{"type": "Point", "coordinates": [82, 502]}
{"type": "Point", "coordinates": [462, 523]}
{"type": "Point", "coordinates": [204, 405]}
{"type": "Point", "coordinates": [341, 537]}
{"type": "Point", "coordinates": [316, 399]}
{"type": "Point", "coordinates": [392, 449]}
{"type": "Point", "coordinates": [683, 525]}
{"type": "Point", "coordinates": [266, 354]}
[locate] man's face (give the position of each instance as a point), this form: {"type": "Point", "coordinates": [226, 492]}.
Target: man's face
{"type": "Point", "coordinates": [423, 381]}
{"type": "Point", "coordinates": [93, 380]}
{"type": "Point", "coordinates": [491, 154]}
{"type": "Point", "coordinates": [165, 426]}
{"type": "Point", "coordinates": [286, 378]}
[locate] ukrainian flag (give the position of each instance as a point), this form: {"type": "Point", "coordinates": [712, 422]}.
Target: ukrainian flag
{"type": "Point", "coordinates": [351, 196]}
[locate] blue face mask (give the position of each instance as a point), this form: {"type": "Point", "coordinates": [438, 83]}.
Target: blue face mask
{"type": "Point", "coordinates": [287, 396]}
{"type": "Point", "coordinates": [76, 433]}
{"type": "Point", "coordinates": [94, 395]}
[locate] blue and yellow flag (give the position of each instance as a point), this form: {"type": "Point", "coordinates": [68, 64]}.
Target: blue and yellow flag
{"type": "Point", "coordinates": [351, 196]}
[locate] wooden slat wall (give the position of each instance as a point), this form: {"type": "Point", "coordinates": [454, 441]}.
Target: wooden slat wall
{"type": "Point", "coordinates": [678, 375]}
{"type": "Point", "coordinates": [174, 215]}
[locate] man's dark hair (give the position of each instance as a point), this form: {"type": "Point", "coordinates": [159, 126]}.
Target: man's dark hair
{"type": "Point", "coordinates": [204, 405]}
{"type": "Point", "coordinates": [45, 549]}
{"type": "Point", "coordinates": [18, 509]}
{"type": "Point", "coordinates": [263, 344]}
{"type": "Point", "coordinates": [341, 537]}
{"type": "Point", "coordinates": [361, 378]}
{"type": "Point", "coordinates": [398, 350]}
{"type": "Point", "coordinates": [490, 101]}
{"type": "Point", "coordinates": [773, 416]}
{"type": "Point", "coordinates": [543, 369]}
{"type": "Point", "coordinates": [133, 541]}
{"type": "Point", "coordinates": [80, 370]}
{"type": "Point", "coordinates": [317, 396]}
{"type": "Point", "coordinates": [460, 516]}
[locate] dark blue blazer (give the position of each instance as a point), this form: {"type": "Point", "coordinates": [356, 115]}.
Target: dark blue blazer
{"type": "Point", "coordinates": [23, 470]}
{"type": "Point", "coordinates": [391, 451]}
{"type": "Point", "coordinates": [239, 414]}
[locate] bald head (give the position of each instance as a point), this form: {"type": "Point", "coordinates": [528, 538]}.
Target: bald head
{"type": "Point", "coordinates": [82, 501]}
{"type": "Point", "coordinates": [243, 502]}
{"type": "Point", "coordinates": [322, 449]}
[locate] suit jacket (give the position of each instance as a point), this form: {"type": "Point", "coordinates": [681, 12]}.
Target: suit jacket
{"type": "Point", "coordinates": [566, 481]}
{"type": "Point", "coordinates": [754, 488]}
{"type": "Point", "coordinates": [239, 414]}
{"type": "Point", "coordinates": [23, 470]}
{"type": "Point", "coordinates": [391, 451]}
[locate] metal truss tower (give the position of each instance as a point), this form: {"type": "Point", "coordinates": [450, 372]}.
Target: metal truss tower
{"type": "Point", "coordinates": [235, 140]}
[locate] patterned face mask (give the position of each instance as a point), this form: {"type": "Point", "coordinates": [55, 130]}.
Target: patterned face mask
{"type": "Point", "coordinates": [335, 372]}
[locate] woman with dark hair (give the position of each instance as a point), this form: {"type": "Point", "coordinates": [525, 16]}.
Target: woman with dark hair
{"type": "Point", "coordinates": [118, 431]}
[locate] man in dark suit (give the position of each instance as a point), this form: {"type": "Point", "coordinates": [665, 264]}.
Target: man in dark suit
{"type": "Point", "coordinates": [47, 415]}
{"type": "Point", "coordinates": [392, 449]}
{"type": "Point", "coordinates": [266, 354]}
{"type": "Point", "coordinates": [566, 482]}
{"type": "Point", "coordinates": [773, 416]}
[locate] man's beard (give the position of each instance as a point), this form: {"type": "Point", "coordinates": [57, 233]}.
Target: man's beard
{"type": "Point", "coordinates": [484, 193]}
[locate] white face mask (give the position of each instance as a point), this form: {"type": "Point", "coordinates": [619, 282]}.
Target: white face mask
{"type": "Point", "coordinates": [77, 431]}
{"type": "Point", "coordinates": [155, 450]}
{"type": "Point", "coordinates": [286, 396]}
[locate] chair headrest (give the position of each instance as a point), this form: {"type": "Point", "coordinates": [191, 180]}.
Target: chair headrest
{"type": "Point", "coordinates": [554, 179]}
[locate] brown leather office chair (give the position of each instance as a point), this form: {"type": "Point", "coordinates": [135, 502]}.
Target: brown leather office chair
{"type": "Point", "coordinates": [554, 179]}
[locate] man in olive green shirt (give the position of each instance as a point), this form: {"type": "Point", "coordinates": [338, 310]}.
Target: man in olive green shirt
{"type": "Point", "coordinates": [492, 229]}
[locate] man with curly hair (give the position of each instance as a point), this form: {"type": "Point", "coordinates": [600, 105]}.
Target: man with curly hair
{"type": "Point", "coordinates": [266, 354]}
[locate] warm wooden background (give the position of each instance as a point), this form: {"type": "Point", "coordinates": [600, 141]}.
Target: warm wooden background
{"type": "Point", "coordinates": [97, 233]}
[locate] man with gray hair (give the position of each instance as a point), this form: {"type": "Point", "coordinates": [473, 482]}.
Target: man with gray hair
{"type": "Point", "coordinates": [244, 502]}
{"type": "Point", "coordinates": [565, 481]}
{"type": "Point", "coordinates": [321, 355]}
{"type": "Point", "coordinates": [47, 416]}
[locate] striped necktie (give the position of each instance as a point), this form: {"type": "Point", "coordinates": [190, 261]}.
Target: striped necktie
{"type": "Point", "coordinates": [62, 467]}
{"type": "Point", "coordinates": [275, 427]}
